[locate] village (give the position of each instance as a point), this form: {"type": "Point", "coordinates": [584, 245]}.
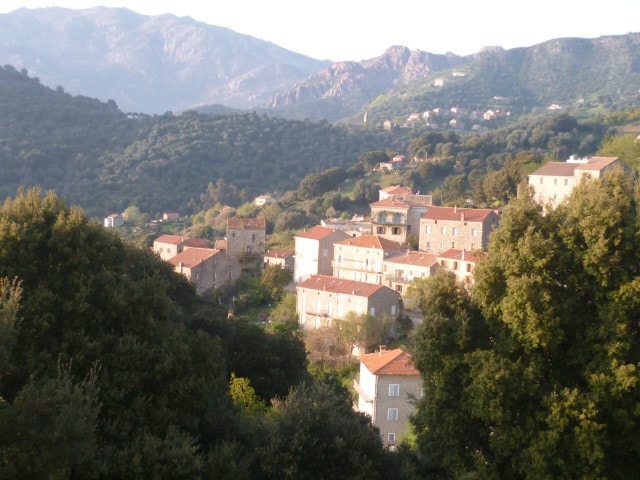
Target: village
{"type": "Point", "coordinates": [365, 266]}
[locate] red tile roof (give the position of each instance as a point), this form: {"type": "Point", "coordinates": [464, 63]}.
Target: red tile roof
{"type": "Point", "coordinates": [193, 257]}
{"type": "Point", "coordinates": [237, 223]}
{"type": "Point", "coordinates": [319, 232]}
{"type": "Point", "coordinates": [397, 190]}
{"type": "Point", "coordinates": [182, 240]}
{"type": "Point", "coordinates": [466, 255]}
{"type": "Point", "coordinates": [390, 202]}
{"type": "Point", "coordinates": [455, 213]}
{"type": "Point", "coordinates": [597, 163]}
{"type": "Point", "coordinates": [196, 242]}
{"type": "Point", "coordinates": [390, 362]}
{"type": "Point", "coordinates": [340, 285]}
{"type": "Point", "coordinates": [557, 169]}
{"type": "Point", "coordinates": [373, 241]}
{"type": "Point", "coordinates": [280, 252]}
{"type": "Point", "coordinates": [421, 259]}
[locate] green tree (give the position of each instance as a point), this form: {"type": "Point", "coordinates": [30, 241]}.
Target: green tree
{"type": "Point", "coordinates": [274, 278]}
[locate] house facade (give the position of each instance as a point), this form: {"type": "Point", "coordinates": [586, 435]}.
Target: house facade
{"type": "Point", "coordinates": [462, 263]}
{"type": "Point", "coordinates": [361, 258]}
{"type": "Point", "coordinates": [314, 251]}
{"type": "Point", "coordinates": [388, 386]}
{"type": "Point", "coordinates": [206, 268]}
{"type": "Point", "coordinates": [168, 246]}
{"type": "Point", "coordinates": [246, 237]}
{"type": "Point", "coordinates": [554, 181]}
{"type": "Point", "coordinates": [399, 271]}
{"type": "Point", "coordinates": [322, 299]}
{"type": "Point", "coordinates": [280, 256]}
{"type": "Point", "coordinates": [113, 220]}
{"type": "Point", "coordinates": [442, 228]}
{"type": "Point", "coordinates": [398, 216]}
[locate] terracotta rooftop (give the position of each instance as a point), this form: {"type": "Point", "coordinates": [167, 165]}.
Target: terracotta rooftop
{"type": "Point", "coordinates": [420, 259]}
{"type": "Point", "coordinates": [373, 241]}
{"type": "Point", "coordinates": [389, 362]}
{"type": "Point", "coordinates": [340, 285]}
{"type": "Point", "coordinates": [280, 252]}
{"type": "Point", "coordinates": [397, 190]}
{"type": "Point", "coordinates": [390, 202]}
{"type": "Point", "coordinates": [557, 169]}
{"type": "Point", "coordinates": [192, 257]}
{"type": "Point", "coordinates": [182, 240]}
{"type": "Point", "coordinates": [455, 213]}
{"type": "Point", "coordinates": [319, 232]}
{"type": "Point", "coordinates": [457, 254]}
{"type": "Point", "coordinates": [238, 223]}
{"type": "Point", "coordinates": [597, 163]}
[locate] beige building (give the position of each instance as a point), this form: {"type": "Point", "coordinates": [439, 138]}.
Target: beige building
{"type": "Point", "coordinates": [168, 246]}
{"type": "Point", "coordinates": [554, 181]}
{"type": "Point", "coordinates": [361, 258]}
{"type": "Point", "coordinates": [462, 263]}
{"type": "Point", "coordinates": [442, 228]}
{"type": "Point", "coordinates": [388, 387]}
{"type": "Point", "coordinates": [206, 268]}
{"type": "Point", "coordinates": [280, 256]}
{"type": "Point", "coordinates": [314, 251]}
{"type": "Point", "coordinates": [246, 237]}
{"type": "Point", "coordinates": [393, 191]}
{"type": "Point", "coordinates": [401, 270]}
{"type": "Point", "coordinates": [398, 216]}
{"type": "Point", "coordinates": [113, 220]}
{"type": "Point", "coordinates": [321, 299]}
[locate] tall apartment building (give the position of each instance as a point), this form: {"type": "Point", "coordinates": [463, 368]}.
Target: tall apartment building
{"type": "Point", "coordinates": [442, 228]}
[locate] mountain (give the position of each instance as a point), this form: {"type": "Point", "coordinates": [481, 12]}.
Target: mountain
{"type": "Point", "coordinates": [149, 64]}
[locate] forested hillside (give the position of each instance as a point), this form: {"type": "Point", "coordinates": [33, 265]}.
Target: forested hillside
{"type": "Point", "coordinates": [95, 156]}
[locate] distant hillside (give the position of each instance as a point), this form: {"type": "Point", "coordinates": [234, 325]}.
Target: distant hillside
{"type": "Point", "coordinates": [147, 64]}
{"type": "Point", "coordinates": [95, 156]}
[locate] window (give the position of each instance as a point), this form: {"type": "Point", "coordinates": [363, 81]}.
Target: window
{"type": "Point", "coordinates": [555, 181]}
{"type": "Point", "coordinates": [393, 307]}
{"type": "Point", "coordinates": [391, 437]}
{"type": "Point", "coordinates": [468, 268]}
{"type": "Point", "coordinates": [541, 181]}
{"type": "Point", "coordinates": [455, 231]}
{"type": "Point", "coordinates": [566, 181]}
{"type": "Point", "coordinates": [444, 230]}
{"type": "Point", "coordinates": [427, 246]}
{"type": "Point", "coordinates": [453, 244]}
{"type": "Point", "coordinates": [474, 232]}
{"type": "Point", "coordinates": [380, 230]}
{"type": "Point", "coordinates": [428, 229]}
{"type": "Point", "coordinates": [372, 311]}
{"type": "Point", "coordinates": [395, 230]}
{"type": "Point", "coordinates": [394, 390]}
{"type": "Point", "coordinates": [398, 289]}
{"type": "Point", "coordinates": [325, 252]}
{"type": "Point", "coordinates": [253, 237]}
{"type": "Point", "coordinates": [455, 266]}
{"type": "Point", "coordinates": [392, 414]}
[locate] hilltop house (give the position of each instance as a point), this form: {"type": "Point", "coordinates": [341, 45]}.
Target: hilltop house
{"type": "Point", "coordinates": [442, 228]}
{"type": "Point", "coordinates": [206, 268]}
{"type": "Point", "coordinates": [360, 258]}
{"type": "Point", "coordinates": [400, 270]}
{"type": "Point", "coordinates": [113, 220]}
{"type": "Point", "coordinates": [168, 246]}
{"type": "Point", "coordinates": [387, 387]}
{"type": "Point", "coordinates": [554, 181]}
{"type": "Point", "coordinates": [322, 299]}
{"type": "Point", "coordinates": [314, 251]}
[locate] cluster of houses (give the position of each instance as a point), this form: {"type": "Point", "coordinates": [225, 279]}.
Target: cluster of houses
{"type": "Point", "coordinates": [366, 267]}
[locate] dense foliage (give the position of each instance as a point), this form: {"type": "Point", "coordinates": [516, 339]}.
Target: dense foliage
{"type": "Point", "coordinates": [536, 374]}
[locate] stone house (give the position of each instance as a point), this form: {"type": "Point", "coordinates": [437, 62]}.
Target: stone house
{"type": "Point", "coordinates": [321, 299]}
{"type": "Point", "coordinates": [113, 220]}
{"type": "Point", "coordinates": [168, 246]}
{"type": "Point", "coordinates": [442, 228]}
{"type": "Point", "coordinates": [388, 387]}
{"type": "Point", "coordinates": [314, 251]}
{"type": "Point", "coordinates": [400, 270]}
{"type": "Point", "coordinates": [280, 256]}
{"type": "Point", "coordinates": [397, 217]}
{"type": "Point", "coordinates": [460, 262]}
{"type": "Point", "coordinates": [554, 181]}
{"type": "Point", "coordinates": [361, 258]}
{"type": "Point", "coordinates": [246, 237]}
{"type": "Point", "coordinates": [206, 268]}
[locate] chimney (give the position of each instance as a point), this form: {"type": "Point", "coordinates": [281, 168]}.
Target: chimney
{"type": "Point", "coordinates": [455, 209]}
{"type": "Point", "coordinates": [383, 348]}
{"type": "Point", "coordinates": [462, 216]}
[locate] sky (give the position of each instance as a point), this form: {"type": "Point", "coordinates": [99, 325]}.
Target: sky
{"type": "Point", "coordinates": [355, 30]}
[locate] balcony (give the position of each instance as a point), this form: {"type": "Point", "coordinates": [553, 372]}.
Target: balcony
{"type": "Point", "coordinates": [358, 266]}
{"type": "Point", "coordinates": [363, 394]}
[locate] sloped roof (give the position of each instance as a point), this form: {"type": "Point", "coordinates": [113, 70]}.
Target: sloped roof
{"type": "Point", "coordinates": [421, 259]}
{"type": "Point", "coordinates": [390, 202]}
{"type": "Point", "coordinates": [557, 169]}
{"type": "Point", "coordinates": [192, 257]}
{"type": "Point", "coordinates": [373, 241]}
{"type": "Point", "coordinates": [196, 242]}
{"type": "Point", "coordinates": [280, 252]}
{"type": "Point", "coordinates": [319, 232]}
{"type": "Point", "coordinates": [455, 213]}
{"type": "Point", "coordinates": [238, 223]}
{"type": "Point", "coordinates": [390, 362]}
{"type": "Point", "coordinates": [341, 285]}
{"type": "Point", "coordinates": [457, 254]}
{"type": "Point", "coordinates": [597, 163]}
{"type": "Point", "coordinates": [397, 190]}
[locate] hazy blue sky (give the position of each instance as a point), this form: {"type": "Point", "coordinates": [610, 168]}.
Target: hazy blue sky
{"type": "Point", "coordinates": [361, 29]}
